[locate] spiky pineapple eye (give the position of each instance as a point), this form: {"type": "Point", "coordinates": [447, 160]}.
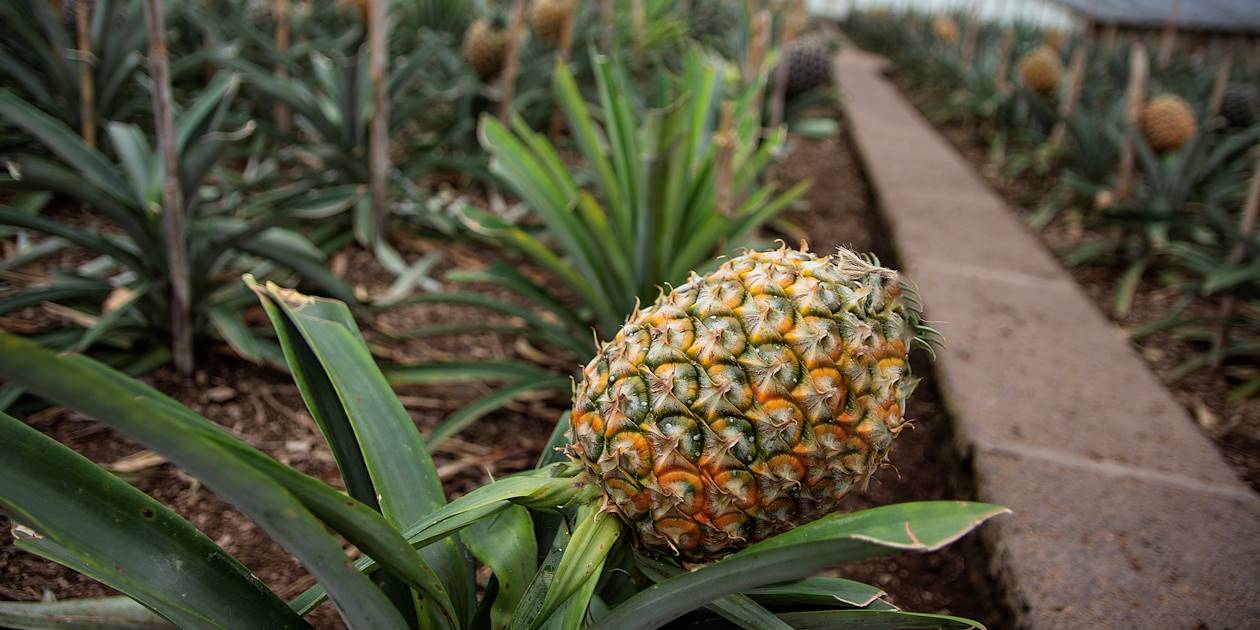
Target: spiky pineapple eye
{"type": "Point", "coordinates": [748, 401]}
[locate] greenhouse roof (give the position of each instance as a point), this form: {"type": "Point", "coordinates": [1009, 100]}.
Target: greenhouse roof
{"type": "Point", "coordinates": [1231, 16]}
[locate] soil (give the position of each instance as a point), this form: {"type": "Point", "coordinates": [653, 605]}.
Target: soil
{"type": "Point", "coordinates": [1234, 425]}
{"type": "Point", "coordinates": [263, 407]}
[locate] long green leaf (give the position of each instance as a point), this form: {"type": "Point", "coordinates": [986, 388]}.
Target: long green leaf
{"type": "Point", "coordinates": [923, 526]}
{"type": "Point", "coordinates": [105, 613]}
{"type": "Point", "coordinates": [505, 543]}
{"type": "Point", "coordinates": [122, 537]}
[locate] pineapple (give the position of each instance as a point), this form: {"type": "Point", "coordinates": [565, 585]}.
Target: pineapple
{"type": "Point", "coordinates": [1041, 69]}
{"type": "Point", "coordinates": [1238, 107]}
{"type": "Point", "coordinates": [1168, 123]}
{"type": "Point", "coordinates": [484, 47]}
{"type": "Point", "coordinates": [548, 16]}
{"type": "Point", "coordinates": [946, 29]}
{"type": "Point", "coordinates": [808, 66]}
{"type": "Point", "coordinates": [748, 401]}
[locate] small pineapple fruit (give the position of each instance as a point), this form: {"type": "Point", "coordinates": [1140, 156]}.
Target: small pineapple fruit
{"type": "Point", "coordinates": [945, 28]}
{"type": "Point", "coordinates": [808, 66]}
{"type": "Point", "coordinates": [484, 47]}
{"type": "Point", "coordinates": [1041, 69]}
{"type": "Point", "coordinates": [1168, 123]}
{"type": "Point", "coordinates": [547, 18]}
{"type": "Point", "coordinates": [1238, 107]}
{"type": "Point", "coordinates": [749, 401]}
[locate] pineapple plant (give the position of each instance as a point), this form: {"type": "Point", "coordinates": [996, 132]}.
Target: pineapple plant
{"type": "Point", "coordinates": [945, 28]}
{"type": "Point", "coordinates": [749, 401]}
{"type": "Point", "coordinates": [1041, 69]}
{"type": "Point", "coordinates": [485, 44]}
{"type": "Point", "coordinates": [548, 17]}
{"type": "Point", "coordinates": [1168, 123]}
{"type": "Point", "coordinates": [1238, 107]}
{"type": "Point", "coordinates": [808, 66]}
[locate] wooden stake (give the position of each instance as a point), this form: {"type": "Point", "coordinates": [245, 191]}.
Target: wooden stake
{"type": "Point", "coordinates": [1076, 76]}
{"type": "Point", "coordinates": [1169, 39]}
{"type": "Point", "coordinates": [172, 199]}
{"type": "Point", "coordinates": [1220, 85]}
{"type": "Point", "coordinates": [1251, 213]}
{"type": "Point", "coordinates": [606, 14]}
{"type": "Point", "coordinates": [87, 91]}
{"type": "Point", "coordinates": [378, 132]}
{"type": "Point", "coordinates": [280, 11]}
{"type": "Point", "coordinates": [1135, 99]}
{"type": "Point", "coordinates": [638, 21]}
{"type": "Point", "coordinates": [792, 27]}
{"type": "Point", "coordinates": [1001, 76]}
{"type": "Point", "coordinates": [756, 57]}
{"type": "Point", "coordinates": [512, 64]}
{"type": "Point", "coordinates": [563, 48]}
{"type": "Point", "coordinates": [723, 178]}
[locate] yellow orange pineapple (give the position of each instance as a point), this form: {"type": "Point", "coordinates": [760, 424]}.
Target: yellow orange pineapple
{"type": "Point", "coordinates": [548, 17]}
{"type": "Point", "coordinates": [1168, 123]}
{"type": "Point", "coordinates": [1041, 69]}
{"type": "Point", "coordinates": [748, 401]}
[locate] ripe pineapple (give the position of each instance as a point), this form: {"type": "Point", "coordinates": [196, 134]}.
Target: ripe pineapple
{"type": "Point", "coordinates": [1168, 123]}
{"type": "Point", "coordinates": [548, 16]}
{"type": "Point", "coordinates": [1238, 107]}
{"type": "Point", "coordinates": [808, 66]}
{"type": "Point", "coordinates": [748, 401]}
{"type": "Point", "coordinates": [1041, 69]}
{"type": "Point", "coordinates": [946, 29]}
{"type": "Point", "coordinates": [484, 47]}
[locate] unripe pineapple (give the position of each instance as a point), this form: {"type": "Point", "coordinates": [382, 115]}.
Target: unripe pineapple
{"type": "Point", "coordinates": [808, 66]}
{"type": "Point", "coordinates": [945, 28]}
{"type": "Point", "coordinates": [1168, 123]}
{"type": "Point", "coordinates": [484, 47]}
{"type": "Point", "coordinates": [1040, 70]}
{"type": "Point", "coordinates": [749, 401]}
{"type": "Point", "coordinates": [547, 18]}
{"type": "Point", "coordinates": [1238, 107]}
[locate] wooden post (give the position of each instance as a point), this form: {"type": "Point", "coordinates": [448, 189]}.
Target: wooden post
{"type": "Point", "coordinates": [723, 177]}
{"type": "Point", "coordinates": [1109, 37]}
{"type": "Point", "coordinates": [973, 33]}
{"type": "Point", "coordinates": [1168, 41]}
{"type": "Point", "coordinates": [1251, 213]}
{"type": "Point", "coordinates": [378, 132]}
{"type": "Point", "coordinates": [1076, 76]}
{"type": "Point", "coordinates": [511, 65]}
{"type": "Point", "coordinates": [606, 14]}
{"type": "Point", "coordinates": [172, 199]}
{"type": "Point", "coordinates": [563, 48]}
{"type": "Point", "coordinates": [87, 90]}
{"type": "Point", "coordinates": [280, 11]}
{"type": "Point", "coordinates": [1001, 76]}
{"type": "Point", "coordinates": [1219, 86]}
{"type": "Point", "coordinates": [1135, 99]}
{"type": "Point", "coordinates": [791, 28]}
{"type": "Point", "coordinates": [756, 57]}
{"type": "Point", "coordinates": [638, 21]}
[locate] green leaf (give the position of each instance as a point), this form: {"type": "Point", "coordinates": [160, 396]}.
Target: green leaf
{"type": "Point", "coordinates": [460, 371]}
{"type": "Point", "coordinates": [61, 140]}
{"type": "Point", "coordinates": [592, 541]}
{"type": "Point", "coordinates": [105, 613]}
{"type": "Point", "coordinates": [876, 620]}
{"type": "Point", "coordinates": [101, 526]}
{"type": "Point", "coordinates": [378, 447]}
{"type": "Point", "coordinates": [259, 486]}
{"type": "Point", "coordinates": [818, 591]}
{"type": "Point", "coordinates": [832, 540]}
{"type": "Point", "coordinates": [474, 410]}
{"type": "Point", "coordinates": [505, 543]}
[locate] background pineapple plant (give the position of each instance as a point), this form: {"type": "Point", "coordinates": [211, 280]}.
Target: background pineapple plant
{"type": "Point", "coordinates": [749, 401]}
{"type": "Point", "coordinates": [1238, 106]}
{"type": "Point", "coordinates": [1168, 123]}
{"type": "Point", "coordinates": [485, 44]}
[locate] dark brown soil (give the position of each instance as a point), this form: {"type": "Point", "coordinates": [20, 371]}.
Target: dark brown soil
{"type": "Point", "coordinates": [1233, 424]}
{"type": "Point", "coordinates": [264, 408]}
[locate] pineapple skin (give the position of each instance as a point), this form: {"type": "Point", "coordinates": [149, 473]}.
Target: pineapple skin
{"type": "Point", "coordinates": [484, 47]}
{"type": "Point", "coordinates": [1041, 69]}
{"type": "Point", "coordinates": [547, 17]}
{"type": "Point", "coordinates": [1168, 123]}
{"type": "Point", "coordinates": [747, 402]}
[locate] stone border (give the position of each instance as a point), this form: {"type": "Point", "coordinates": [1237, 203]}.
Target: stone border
{"type": "Point", "coordinates": [1125, 514]}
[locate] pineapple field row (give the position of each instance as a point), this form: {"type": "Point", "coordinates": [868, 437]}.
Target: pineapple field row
{"type": "Point", "coordinates": [543, 313]}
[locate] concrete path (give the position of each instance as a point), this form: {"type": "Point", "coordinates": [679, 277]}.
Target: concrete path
{"type": "Point", "coordinates": [1125, 515]}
